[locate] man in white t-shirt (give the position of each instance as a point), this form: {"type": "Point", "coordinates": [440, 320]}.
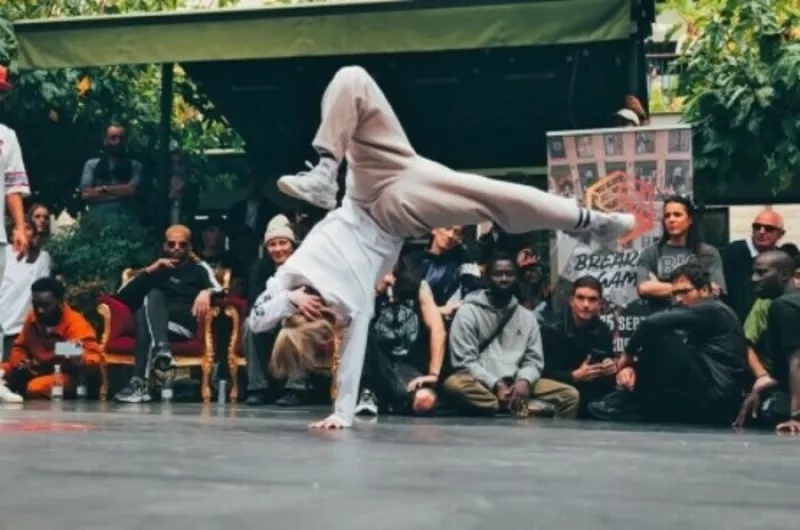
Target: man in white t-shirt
{"type": "Point", "coordinates": [15, 288]}
{"type": "Point", "coordinates": [13, 184]}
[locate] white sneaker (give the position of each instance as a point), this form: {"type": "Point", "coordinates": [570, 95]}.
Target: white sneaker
{"type": "Point", "coordinates": [367, 404]}
{"type": "Point", "coordinates": [7, 396]}
{"type": "Point", "coordinates": [317, 186]}
{"type": "Point", "coordinates": [609, 229]}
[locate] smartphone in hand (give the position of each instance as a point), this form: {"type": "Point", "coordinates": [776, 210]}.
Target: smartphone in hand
{"type": "Point", "coordinates": [597, 356]}
{"type": "Point", "coordinates": [68, 350]}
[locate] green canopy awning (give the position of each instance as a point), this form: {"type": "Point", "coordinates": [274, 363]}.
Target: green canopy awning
{"type": "Point", "coordinates": [317, 31]}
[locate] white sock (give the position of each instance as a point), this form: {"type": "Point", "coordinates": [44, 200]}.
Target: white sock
{"type": "Point", "coordinates": [589, 220]}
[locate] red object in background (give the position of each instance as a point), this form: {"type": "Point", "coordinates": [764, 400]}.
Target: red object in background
{"type": "Point", "coordinates": [37, 426]}
{"type": "Point", "coordinates": [5, 85]}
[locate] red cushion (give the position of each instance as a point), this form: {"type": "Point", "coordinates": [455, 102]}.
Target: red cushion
{"type": "Point", "coordinates": [122, 321]}
{"type": "Point", "coordinates": [240, 304]}
{"type": "Point", "coordinates": [187, 348]}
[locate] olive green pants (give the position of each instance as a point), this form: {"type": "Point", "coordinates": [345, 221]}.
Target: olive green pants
{"type": "Point", "coordinates": [473, 396]}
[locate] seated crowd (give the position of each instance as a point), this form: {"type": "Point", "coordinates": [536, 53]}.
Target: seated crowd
{"type": "Point", "coordinates": [454, 333]}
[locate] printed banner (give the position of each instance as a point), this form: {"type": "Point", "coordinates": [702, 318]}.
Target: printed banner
{"type": "Point", "coordinates": [615, 170]}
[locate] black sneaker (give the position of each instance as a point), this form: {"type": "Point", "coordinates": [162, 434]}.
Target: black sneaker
{"type": "Point", "coordinates": [135, 392]}
{"type": "Point", "coordinates": [290, 399]}
{"type": "Point", "coordinates": [162, 358]}
{"type": "Point", "coordinates": [617, 406]}
{"type": "Point", "coordinates": [257, 398]}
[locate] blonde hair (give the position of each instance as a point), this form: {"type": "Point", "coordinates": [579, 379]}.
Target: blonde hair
{"type": "Point", "coordinates": [304, 345]}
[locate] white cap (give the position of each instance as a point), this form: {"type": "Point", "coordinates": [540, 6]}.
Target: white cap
{"type": "Point", "coordinates": [629, 115]}
{"type": "Point", "coordinates": [279, 226]}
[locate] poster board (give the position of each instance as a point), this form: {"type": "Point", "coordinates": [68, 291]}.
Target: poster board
{"type": "Point", "coordinates": [615, 170]}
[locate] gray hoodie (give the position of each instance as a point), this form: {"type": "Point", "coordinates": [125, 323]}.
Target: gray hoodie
{"type": "Point", "coordinates": [516, 352]}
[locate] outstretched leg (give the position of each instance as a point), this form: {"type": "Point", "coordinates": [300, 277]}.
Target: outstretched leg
{"type": "Point", "coordinates": [407, 194]}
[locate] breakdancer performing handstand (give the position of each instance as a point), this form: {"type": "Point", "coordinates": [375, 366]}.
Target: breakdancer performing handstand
{"type": "Point", "coordinates": [392, 193]}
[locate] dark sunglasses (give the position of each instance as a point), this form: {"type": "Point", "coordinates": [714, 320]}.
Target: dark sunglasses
{"type": "Point", "coordinates": [183, 245]}
{"type": "Point", "coordinates": [757, 227]}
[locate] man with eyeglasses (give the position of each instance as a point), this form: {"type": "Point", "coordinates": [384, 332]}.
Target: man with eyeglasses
{"type": "Point", "coordinates": [738, 258]}
{"type": "Point", "coordinates": [687, 364]}
{"type": "Point", "coordinates": [169, 297]}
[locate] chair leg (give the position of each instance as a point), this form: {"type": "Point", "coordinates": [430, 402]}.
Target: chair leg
{"type": "Point", "coordinates": [103, 381]}
{"type": "Point", "coordinates": [233, 370]}
{"type": "Point", "coordinates": [205, 385]}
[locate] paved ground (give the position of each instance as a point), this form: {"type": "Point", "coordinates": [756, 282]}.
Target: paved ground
{"type": "Point", "coordinates": [129, 467]}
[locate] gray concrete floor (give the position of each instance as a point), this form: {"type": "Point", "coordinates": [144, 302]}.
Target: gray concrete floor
{"type": "Point", "coordinates": [89, 466]}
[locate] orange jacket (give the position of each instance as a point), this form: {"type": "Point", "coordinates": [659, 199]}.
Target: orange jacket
{"type": "Point", "coordinates": [35, 343]}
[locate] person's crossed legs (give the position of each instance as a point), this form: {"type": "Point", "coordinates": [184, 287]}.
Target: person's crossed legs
{"type": "Point", "coordinates": [473, 397]}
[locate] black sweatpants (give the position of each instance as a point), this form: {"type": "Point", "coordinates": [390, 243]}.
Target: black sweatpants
{"type": "Point", "coordinates": [388, 377]}
{"type": "Point", "coordinates": [672, 385]}
{"type": "Point", "coordinates": [155, 324]}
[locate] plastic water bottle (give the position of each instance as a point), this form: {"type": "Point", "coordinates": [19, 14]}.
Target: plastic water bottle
{"type": "Point", "coordinates": [222, 392]}
{"type": "Point", "coordinates": [81, 390]}
{"type": "Point", "coordinates": [166, 390]}
{"type": "Point", "coordinates": [57, 390]}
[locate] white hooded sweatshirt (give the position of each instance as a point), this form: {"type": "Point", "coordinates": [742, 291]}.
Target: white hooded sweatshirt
{"type": "Point", "coordinates": [343, 257]}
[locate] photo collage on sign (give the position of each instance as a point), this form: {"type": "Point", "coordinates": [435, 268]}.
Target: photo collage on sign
{"type": "Point", "coordinates": [625, 170]}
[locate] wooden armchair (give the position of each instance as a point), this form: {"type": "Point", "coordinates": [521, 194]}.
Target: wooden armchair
{"type": "Point", "coordinates": [118, 341]}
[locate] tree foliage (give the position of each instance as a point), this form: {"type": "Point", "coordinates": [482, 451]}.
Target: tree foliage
{"type": "Point", "coordinates": [740, 74]}
{"type": "Point", "coordinates": [60, 115]}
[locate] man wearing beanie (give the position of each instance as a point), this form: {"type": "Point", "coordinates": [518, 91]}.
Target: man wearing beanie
{"type": "Point", "coordinates": [279, 243]}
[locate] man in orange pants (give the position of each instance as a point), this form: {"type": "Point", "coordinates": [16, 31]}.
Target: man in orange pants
{"type": "Point", "coordinates": [31, 363]}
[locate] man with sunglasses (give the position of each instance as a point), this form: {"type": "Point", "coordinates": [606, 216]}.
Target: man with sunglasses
{"type": "Point", "coordinates": [169, 297]}
{"type": "Point", "coordinates": [738, 258]}
{"type": "Point", "coordinates": [687, 364]}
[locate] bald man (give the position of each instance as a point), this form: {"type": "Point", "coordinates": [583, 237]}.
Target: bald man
{"type": "Point", "coordinates": [169, 297]}
{"type": "Point", "coordinates": [773, 277]}
{"type": "Point", "coordinates": [738, 257]}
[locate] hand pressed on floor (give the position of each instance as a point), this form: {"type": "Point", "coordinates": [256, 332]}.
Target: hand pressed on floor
{"type": "Point", "coordinates": [788, 427]}
{"type": "Point", "coordinates": [331, 422]}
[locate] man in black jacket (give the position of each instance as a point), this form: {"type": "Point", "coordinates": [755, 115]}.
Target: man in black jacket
{"type": "Point", "coordinates": [782, 321]}
{"type": "Point", "coordinates": [169, 297]}
{"type": "Point", "coordinates": [687, 364]}
{"type": "Point", "coordinates": [738, 258]}
{"type": "Point", "coordinates": [578, 347]}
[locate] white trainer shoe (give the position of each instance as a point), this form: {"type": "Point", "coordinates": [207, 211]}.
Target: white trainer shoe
{"type": "Point", "coordinates": [610, 229]}
{"type": "Point", "coordinates": [7, 396]}
{"type": "Point", "coordinates": [317, 186]}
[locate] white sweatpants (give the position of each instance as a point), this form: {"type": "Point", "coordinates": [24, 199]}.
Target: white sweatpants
{"type": "Point", "coordinates": [408, 194]}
